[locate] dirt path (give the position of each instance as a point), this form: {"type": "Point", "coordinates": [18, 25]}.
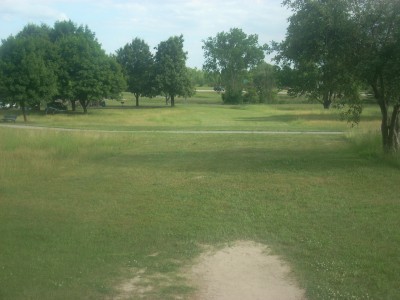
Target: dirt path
{"type": "Point", "coordinates": [243, 271]}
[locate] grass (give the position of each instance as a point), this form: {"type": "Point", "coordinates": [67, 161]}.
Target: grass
{"type": "Point", "coordinates": [282, 117]}
{"type": "Point", "coordinates": [82, 211]}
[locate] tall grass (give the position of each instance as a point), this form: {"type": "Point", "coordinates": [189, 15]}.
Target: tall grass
{"type": "Point", "coordinates": [82, 211]}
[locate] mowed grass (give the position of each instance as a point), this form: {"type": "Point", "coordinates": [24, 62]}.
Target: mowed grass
{"type": "Point", "coordinates": [80, 212]}
{"type": "Point", "coordinates": [279, 117]}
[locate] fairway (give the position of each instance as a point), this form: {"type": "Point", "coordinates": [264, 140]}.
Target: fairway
{"type": "Point", "coordinates": [124, 194]}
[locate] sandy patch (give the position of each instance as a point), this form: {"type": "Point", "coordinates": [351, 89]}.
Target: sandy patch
{"type": "Point", "coordinates": [243, 271]}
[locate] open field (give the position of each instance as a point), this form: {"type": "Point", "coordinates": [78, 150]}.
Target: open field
{"type": "Point", "coordinates": [82, 211]}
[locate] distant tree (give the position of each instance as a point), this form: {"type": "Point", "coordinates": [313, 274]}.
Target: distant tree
{"type": "Point", "coordinates": [230, 55]}
{"type": "Point", "coordinates": [137, 63]}
{"type": "Point", "coordinates": [113, 81]}
{"type": "Point", "coordinates": [172, 76]}
{"type": "Point", "coordinates": [27, 67]}
{"type": "Point", "coordinates": [264, 81]}
{"type": "Point", "coordinates": [318, 40]}
{"type": "Point", "coordinates": [86, 72]}
{"type": "Point", "coordinates": [197, 76]}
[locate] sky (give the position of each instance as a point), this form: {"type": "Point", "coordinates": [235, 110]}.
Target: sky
{"type": "Point", "coordinates": [118, 22]}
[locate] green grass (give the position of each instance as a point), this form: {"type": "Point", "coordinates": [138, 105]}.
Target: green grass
{"type": "Point", "coordinates": [81, 211]}
{"type": "Point", "coordinates": [285, 117]}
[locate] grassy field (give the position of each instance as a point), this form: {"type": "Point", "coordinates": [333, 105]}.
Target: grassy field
{"type": "Point", "coordinates": [204, 112]}
{"type": "Point", "coordinates": [82, 211]}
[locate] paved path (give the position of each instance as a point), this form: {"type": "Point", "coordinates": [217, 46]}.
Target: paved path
{"type": "Point", "coordinates": [266, 132]}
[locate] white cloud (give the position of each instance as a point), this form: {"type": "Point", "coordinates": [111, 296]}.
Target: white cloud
{"type": "Point", "coordinates": [117, 22]}
{"type": "Point", "coordinates": [30, 11]}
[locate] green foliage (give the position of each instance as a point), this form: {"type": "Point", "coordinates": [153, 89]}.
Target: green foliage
{"type": "Point", "coordinates": [317, 47]}
{"type": "Point", "coordinates": [334, 46]}
{"type": "Point", "coordinates": [264, 82]}
{"type": "Point", "coordinates": [41, 63]}
{"type": "Point", "coordinates": [138, 66]}
{"type": "Point", "coordinates": [27, 67]}
{"type": "Point", "coordinates": [86, 72]}
{"type": "Point", "coordinates": [197, 76]}
{"type": "Point", "coordinates": [378, 61]}
{"type": "Point", "coordinates": [230, 55]}
{"type": "Point", "coordinates": [171, 73]}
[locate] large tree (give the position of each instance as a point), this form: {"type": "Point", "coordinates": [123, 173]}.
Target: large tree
{"type": "Point", "coordinates": [172, 75]}
{"type": "Point", "coordinates": [365, 47]}
{"type": "Point", "coordinates": [27, 67]}
{"type": "Point", "coordinates": [137, 63]}
{"type": "Point", "coordinates": [316, 48]}
{"type": "Point", "coordinates": [378, 57]}
{"type": "Point", "coordinates": [86, 73]}
{"type": "Point", "coordinates": [231, 55]}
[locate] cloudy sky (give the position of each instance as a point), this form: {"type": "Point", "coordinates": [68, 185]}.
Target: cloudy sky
{"type": "Point", "coordinates": [117, 22]}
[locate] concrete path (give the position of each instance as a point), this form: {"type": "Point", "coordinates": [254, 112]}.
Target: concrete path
{"type": "Point", "coordinates": [265, 132]}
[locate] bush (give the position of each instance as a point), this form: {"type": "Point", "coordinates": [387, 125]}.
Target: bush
{"type": "Point", "coordinates": [234, 97]}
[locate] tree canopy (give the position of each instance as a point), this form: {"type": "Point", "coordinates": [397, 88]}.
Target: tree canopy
{"type": "Point", "coordinates": [138, 66]}
{"type": "Point", "coordinates": [264, 82]}
{"type": "Point", "coordinates": [378, 60]}
{"type": "Point", "coordinates": [172, 75]}
{"type": "Point", "coordinates": [42, 63]}
{"type": "Point", "coordinates": [86, 72]}
{"type": "Point", "coordinates": [27, 67]}
{"type": "Point", "coordinates": [231, 55]}
{"type": "Point", "coordinates": [333, 45]}
{"type": "Point", "coordinates": [316, 49]}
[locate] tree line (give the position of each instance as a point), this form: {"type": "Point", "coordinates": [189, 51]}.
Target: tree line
{"type": "Point", "coordinates": [42, 64]}
{"type": "Point", "coordinates": [234, 61]}
{"type": "Point", "coordinates": [66, 61]}
{"type": "Point", "coordinates": [333, 49]}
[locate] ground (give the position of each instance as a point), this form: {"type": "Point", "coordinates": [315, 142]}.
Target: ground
{"type": "Point", "coordinates": [240, 271]}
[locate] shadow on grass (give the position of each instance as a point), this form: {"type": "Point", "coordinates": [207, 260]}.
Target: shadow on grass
{"type": "Point", "coordinates": [243, 160]}
{"type": "Point", "coordinates": [305, 117]}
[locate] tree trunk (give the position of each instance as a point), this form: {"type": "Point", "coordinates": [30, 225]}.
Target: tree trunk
{"type": "Point", "coordinates": [73, 105]}
{"type": "Point", "coordinates": [137, 99]}
{"type": "Point", "coordinates": [172, 100]}
{"type": "Point", "coordinates": [22, 104]}
{"type": "Point", "coordinates": [84, 105]}
{"type": "Point", "coordinates": [390, 130]}
{"type": "Point", "coordinates": [327, 100]}
{"type": "Point", "coordinates": [389, 124]}
{"type": "Point", "coordinates": [393, 130]}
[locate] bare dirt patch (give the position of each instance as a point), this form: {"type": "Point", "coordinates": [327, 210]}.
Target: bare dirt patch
{"type": "Point", "coordinates": [242, 271]}
{"type": "Point", "coordinates": [245, 270]}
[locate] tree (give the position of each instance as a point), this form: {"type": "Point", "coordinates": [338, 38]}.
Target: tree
{"type": "Point", "coordinates": [231, 55]}
{"type": "Point", "coordinates": [360, 41]}
{"type": "Point", "coordinates": [171, 73]}
{"type": "Point", "coordinates": [196, 76]}
{"type": "Point", "coordinates": [378, 60]}
{"type": "Point", "coordinates": [27, 68]}
{"type": "Point", "coordinates": [137, 64]}
{"type": "Point", "coordinates": [317, 44]}
{"type": "Point", "coordinates": [264, 82]}
{"type": "Point", "coordinates": [86, 72]}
